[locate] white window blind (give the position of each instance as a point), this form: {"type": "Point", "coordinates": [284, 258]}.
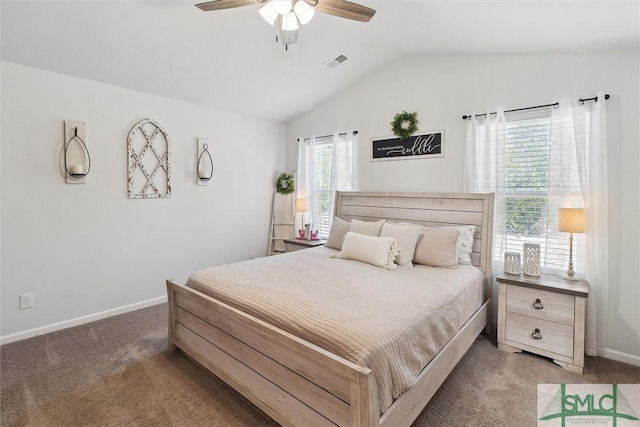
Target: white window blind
{"type": "Point", "coordinates": [530, 204]}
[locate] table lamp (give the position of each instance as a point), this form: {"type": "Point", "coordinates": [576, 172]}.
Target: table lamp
{"type": "Point", "coordinates": [302, 207]}
{"type": "Point", "coordinates": [571, 220]}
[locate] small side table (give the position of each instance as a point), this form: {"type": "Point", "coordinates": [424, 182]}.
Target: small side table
{"type": "Point", "coordinates": [543, 315]}
{"type": "Point", "coordinates": [291, 245]}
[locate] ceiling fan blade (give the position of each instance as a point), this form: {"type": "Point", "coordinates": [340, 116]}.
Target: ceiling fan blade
{"type": "Point", "coordinates": [346, 9]}
{"type": "Point", "coordinates": [225, 4]}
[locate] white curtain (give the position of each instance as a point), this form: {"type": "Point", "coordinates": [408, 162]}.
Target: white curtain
{"type": "Point", "coordinates": [306, 181]}
{"type": "Point", "coordinates": [564, 189]}
{"type": "Point", "coordinates": [484, 170]}
{"type": "Point", "coordinates": [591, 145]}
{"type": "Point", "coordinates": [578, 178]}
{"type": "Point", "coordinates": [341, 173]}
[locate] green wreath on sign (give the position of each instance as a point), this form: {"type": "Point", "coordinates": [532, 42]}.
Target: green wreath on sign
{"type": "Point", "coordinates": [405, 124]}
{"type": "Point", "coordinates": [284, 184]}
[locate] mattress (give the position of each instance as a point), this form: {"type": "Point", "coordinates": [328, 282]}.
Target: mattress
{"type": "Point", "coordinates": [393, 322]}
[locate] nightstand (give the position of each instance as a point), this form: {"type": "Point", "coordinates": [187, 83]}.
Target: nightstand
{"type": "Point", "coordinates": [291, 245]}
{"type": "Point", "coordinates": [543, 315]}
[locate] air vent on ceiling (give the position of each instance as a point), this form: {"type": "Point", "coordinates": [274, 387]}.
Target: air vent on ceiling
{"type": "Point", "coordinates": [332, 64]}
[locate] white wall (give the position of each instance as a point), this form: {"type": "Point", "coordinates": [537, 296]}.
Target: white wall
{"type": "Point", "coordinates": [442, 89]}
{"type": "Point", "coordinates": [83, 249]}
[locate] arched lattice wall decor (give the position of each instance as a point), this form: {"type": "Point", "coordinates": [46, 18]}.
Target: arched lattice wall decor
{"type": "Point", "coordinates": [149, 161]}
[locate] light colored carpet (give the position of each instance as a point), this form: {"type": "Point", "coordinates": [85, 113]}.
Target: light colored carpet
{"type": "Point", "coordinates": [118, 371]}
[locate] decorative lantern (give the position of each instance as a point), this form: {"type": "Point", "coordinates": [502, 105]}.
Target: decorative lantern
{"type": "Point", "coordinates": [204, 165]}
{"type": "Point", "coordinates": [531, 252]}
{"type": "Point", "coordinates": [77, 161]}
{"type": "Point", "coordinates": [512, 263]}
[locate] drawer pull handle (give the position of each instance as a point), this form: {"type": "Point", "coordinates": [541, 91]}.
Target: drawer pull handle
{"type": "Point", "coordinates": [536, 334]}
{"type": "Point", "coordinates": [538, 304]}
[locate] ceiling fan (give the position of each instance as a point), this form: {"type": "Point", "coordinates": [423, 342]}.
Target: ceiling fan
{"type": "Point", "coordinates": [286, 15]}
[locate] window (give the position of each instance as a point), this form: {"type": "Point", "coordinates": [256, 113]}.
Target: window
{"type": "Point", "coordinates": [526, 159]}
{"type": "Point", "coordinates": [530, 202]}
{"type": "Point", "coordinates": [333, 172]}
{"type": "Point", "coordinates": [537, 162]}
{"type": "Point", "coordinates": [325, 166]}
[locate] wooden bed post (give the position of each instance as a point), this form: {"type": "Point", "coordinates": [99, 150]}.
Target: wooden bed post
{"type": "Point", "coordinates": [487, 253]}
{"type": "Point", "coordinates": [171, 300]}
{"type": "Point", "coordinates": [365, 410]}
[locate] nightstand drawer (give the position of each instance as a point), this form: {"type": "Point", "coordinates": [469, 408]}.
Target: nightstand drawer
{"type": "Point", "coordinates": [291, 245]}
{"type": "Point", "coordinates": [540, 304]}
{"type": "Point", "coordinates": [542, 334]}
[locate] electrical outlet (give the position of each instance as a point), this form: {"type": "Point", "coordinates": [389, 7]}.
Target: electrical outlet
{"type": "Point", "coordinates": [26, 301]}
{"type": "Point", "coordinates": [251, 254]}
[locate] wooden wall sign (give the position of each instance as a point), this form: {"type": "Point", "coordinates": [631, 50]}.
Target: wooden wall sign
{"type": "Point", "coordinates": [416, 147]}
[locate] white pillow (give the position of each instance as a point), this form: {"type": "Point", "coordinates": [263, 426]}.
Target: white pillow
{"type": "Point", "coordinates": [339, 227]}
{"type": "Point", "coordinates": [406, 236]}
{"type": "Point", "coordinates": [378, 251]}
{"type": "Point", "coordinates": [465, 242]}
{"type": "Point", "coordinates": [370, 228]}
{"type": "Point", "coordinates": [438, 248]}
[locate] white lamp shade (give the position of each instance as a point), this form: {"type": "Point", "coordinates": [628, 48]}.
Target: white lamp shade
{"type": "Point", "coordinates": [571, 220]}
{"type": "Point", "coordinates": [288, 37]}
{"type": "Point", "coordinates": [302, 205]}
{"type": "Point", "coordinates": [269, 13]}
{"type": "Point", "coordinates": [304, 11]}
{"type": "Point", "coordinates": [282, 6]}
{"type": "Point", "coordinates": [290, 22]}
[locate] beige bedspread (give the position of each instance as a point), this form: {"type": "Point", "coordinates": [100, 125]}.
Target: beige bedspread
{"type": "Point", "coordinates": [393, 322]}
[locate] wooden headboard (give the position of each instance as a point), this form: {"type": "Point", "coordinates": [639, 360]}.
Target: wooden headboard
{"type": "Point", "coordinates": [435, 209]}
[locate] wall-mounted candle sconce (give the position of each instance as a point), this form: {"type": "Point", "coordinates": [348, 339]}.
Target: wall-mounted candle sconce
{"type": "Point", "coordinates": [77, 161]}
{"type": "Point", "coordinates": [204, 165]}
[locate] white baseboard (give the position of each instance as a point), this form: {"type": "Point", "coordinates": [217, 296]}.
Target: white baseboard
{"type": "Point", "coordinates": [620, 356]}
{"type": "Point", "coordinates": [6, 339]}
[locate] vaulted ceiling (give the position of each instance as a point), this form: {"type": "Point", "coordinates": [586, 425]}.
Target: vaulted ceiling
{"type": "Point", "coordinates": [229, 59]}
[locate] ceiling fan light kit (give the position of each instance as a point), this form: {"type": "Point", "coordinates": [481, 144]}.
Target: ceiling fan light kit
{"type": "Point", "coordinates": [287, 37]}
{"type": "Point", "coordinates": [282, 6]}
{"type": "Point", "coordinates": [288, 14]}
{"type": "Point", "coordinates": [289, 22]}
{"type": "Point", "coordinates": [304, 12]}
{"type": "Point", "coordinates": [269, 13]}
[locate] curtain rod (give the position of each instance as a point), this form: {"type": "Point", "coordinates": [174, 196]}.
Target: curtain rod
{"type": "Point", "coordinates": [355, 132]}
{"type": "Point", "coordinates": [555, 104]}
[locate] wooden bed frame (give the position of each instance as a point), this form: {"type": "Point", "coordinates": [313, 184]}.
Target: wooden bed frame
{"type": "Point", "coordinates": [300, 384]}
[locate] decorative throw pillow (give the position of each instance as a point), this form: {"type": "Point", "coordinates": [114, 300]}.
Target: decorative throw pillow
{"type": "Point", "coordinates": [465, 243]}
{"type": "Point", "coordinates": [370, 228]}
{"type": "Point", "coordinates": [406, 236]}
{"type": "Point", "coordinates": [378, 251]}
{"type": "Point", "coordinates": [437, 248]}
{"type": "Point", "coordinates": [339, 227]}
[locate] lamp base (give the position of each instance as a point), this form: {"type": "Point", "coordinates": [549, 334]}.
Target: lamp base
{"type": "Point", "coordinates": [570, 278]}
